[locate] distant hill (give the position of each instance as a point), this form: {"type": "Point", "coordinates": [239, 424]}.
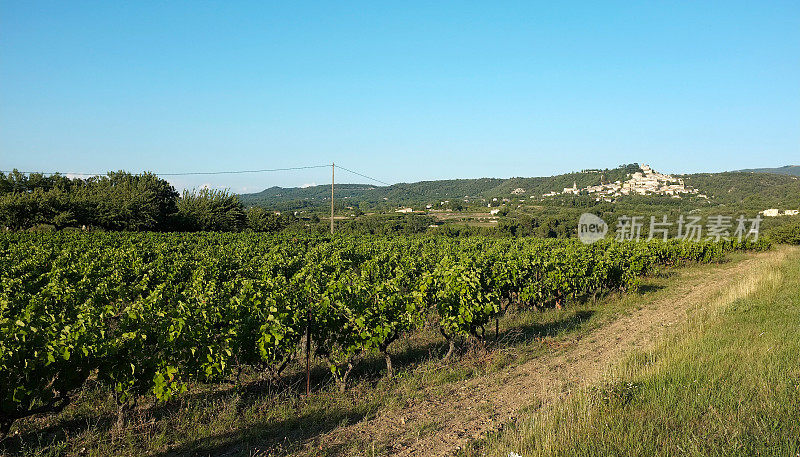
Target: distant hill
{"type": "Point", "coordinates": [791, 170]}
{"type": "Point", "coordinates": [431, 191]}
{"type": "Point", "coordinates": [751, 189]}
{"type": "Point", "coordinates": [748, 189]}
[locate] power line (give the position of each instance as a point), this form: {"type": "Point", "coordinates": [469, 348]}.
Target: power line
{"type": "Point", "coordinates": [363, 175]}
{"type": "Point", "coordinates": [191, 173]}
{"type": "Point", "coordinates": [52, 173]}
{"type": "Point", "coordinates": [243, 171]}
{"type": "Point", "coordinates": [407, 187]}
{"type": "Point", "coordinates": [207, 173]}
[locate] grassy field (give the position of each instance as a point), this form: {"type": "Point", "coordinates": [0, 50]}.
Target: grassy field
{"type": "Point", "coordinates": [726, 384]}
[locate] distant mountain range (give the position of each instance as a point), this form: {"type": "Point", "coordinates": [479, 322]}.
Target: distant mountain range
{"type": "Point", "coordinates": [766, 187]}
{"type": "Point", "coordinates": [791, 170]}
{"type": "Point", "coordinates": [433, 191]}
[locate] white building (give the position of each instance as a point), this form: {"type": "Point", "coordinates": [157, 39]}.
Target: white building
{"type": "Point", "coordinates": [404, 210]}
{"type": "Point", "coordinates": [571, 190]}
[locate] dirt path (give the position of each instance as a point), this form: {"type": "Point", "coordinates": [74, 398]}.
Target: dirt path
{"type": "Point", "coordinates": [467, 409]}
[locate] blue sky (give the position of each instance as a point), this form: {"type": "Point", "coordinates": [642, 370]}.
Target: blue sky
{"type": "Point", "coordinates": [403, 91]}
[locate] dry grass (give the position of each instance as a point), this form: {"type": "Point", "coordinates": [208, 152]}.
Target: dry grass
{"type": "Point", "coordinates": [726, 383]}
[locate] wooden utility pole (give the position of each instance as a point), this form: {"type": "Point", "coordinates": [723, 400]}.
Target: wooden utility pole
{"type": "Point", "coordinates": [332, 167]}
{"type": "Point", "coordinates": [308, 353]}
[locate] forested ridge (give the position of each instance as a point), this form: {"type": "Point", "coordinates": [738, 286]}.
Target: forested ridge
{"type": "Point", "coordinates": [145, 202]}
{"type": "Point", "coordinates": [741, 189]}
{"type": "Point", "coordinates": [435, 191]}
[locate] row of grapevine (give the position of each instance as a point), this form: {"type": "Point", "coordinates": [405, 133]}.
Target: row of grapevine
{"type": "Point", "coordinates": [146, 313]}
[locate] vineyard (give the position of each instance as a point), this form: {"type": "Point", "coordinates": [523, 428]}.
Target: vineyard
{"type": "Point", "coordinates": [149, 313]}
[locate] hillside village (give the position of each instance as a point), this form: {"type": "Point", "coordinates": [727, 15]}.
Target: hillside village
{"type": "Point", "coordinates": [488, 199]}
{"type": "Point", "coordinates": [644, 182]}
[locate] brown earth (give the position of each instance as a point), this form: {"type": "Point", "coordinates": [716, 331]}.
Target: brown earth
{"type": "Point", "coordinates": [460, 411]}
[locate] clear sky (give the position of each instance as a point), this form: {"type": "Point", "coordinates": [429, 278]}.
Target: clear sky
{"type": "Point", "coordinates": [403, 91]}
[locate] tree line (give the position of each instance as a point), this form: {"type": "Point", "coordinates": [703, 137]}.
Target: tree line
{"type": "Point", "coordinates": [124, 201]}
